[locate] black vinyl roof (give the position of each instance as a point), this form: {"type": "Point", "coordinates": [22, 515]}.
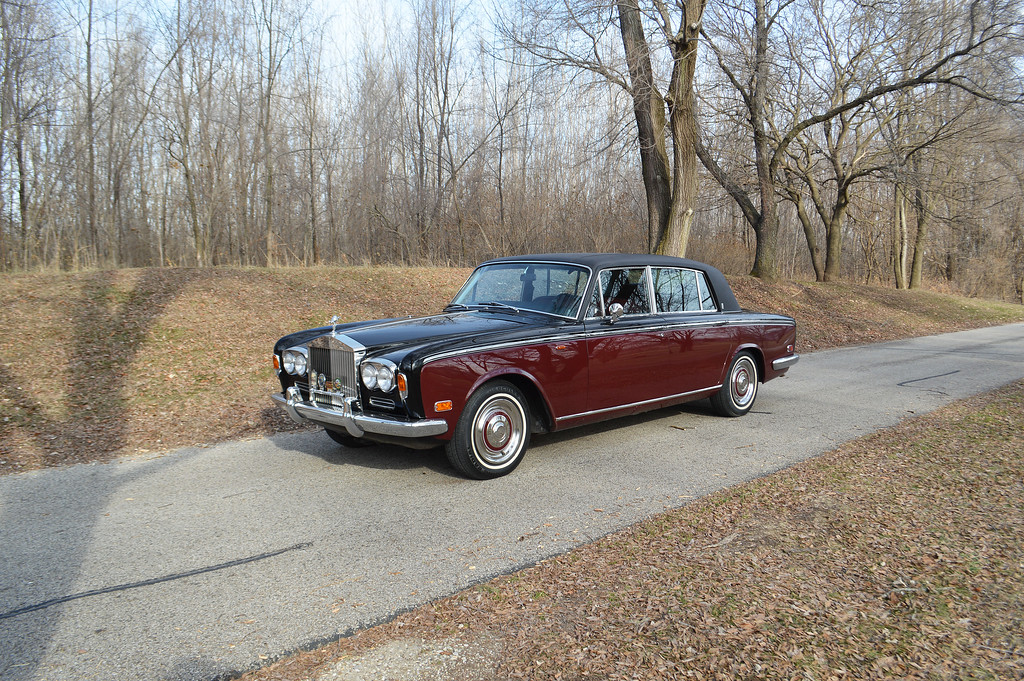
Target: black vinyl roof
{"type": "Point", "coordinates": [598, 261]}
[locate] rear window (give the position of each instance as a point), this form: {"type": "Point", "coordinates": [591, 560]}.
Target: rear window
{"type": "Point", "coordinates": [675, 290]}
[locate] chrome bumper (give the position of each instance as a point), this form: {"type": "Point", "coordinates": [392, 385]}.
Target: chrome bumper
{"type": "Point", "coordinates": [355, 424]}
{"type": "Point", "coordinates": [785, 362]}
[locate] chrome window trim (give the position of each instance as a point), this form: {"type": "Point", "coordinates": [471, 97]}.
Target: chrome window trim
{"type": "Point", "coordinates": [696, 274]}
{"type": "Point", "coordinates": [579, 306]}
{"type": "Point", "coordinates": [701, 274]}
{"type": "Point", "coordinates": [650, 291]}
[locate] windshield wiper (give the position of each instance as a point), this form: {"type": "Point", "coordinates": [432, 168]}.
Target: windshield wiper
{"type": "Point", "coordinates": [502, 306]}
{"type": "Point", "coordinates": [456, 306]}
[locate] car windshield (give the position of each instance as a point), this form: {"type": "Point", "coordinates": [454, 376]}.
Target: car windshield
{"type": "Point", "coordinates": [542, 287]}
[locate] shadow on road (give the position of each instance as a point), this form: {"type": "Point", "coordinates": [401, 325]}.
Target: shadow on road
{"type": "Point", "coordinates": [45, 548]}
{"type": "Point", "coordinates": [375, 456]}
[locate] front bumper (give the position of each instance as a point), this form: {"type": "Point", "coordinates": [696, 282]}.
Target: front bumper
{"type": "Point", "coordinates": [356, 424]}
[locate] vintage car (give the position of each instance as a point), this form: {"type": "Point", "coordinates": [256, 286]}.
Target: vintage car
{"type": "Point", "coordinates": [532, 344]}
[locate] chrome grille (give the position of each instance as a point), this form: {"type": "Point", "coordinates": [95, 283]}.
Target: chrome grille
{"type": "Point", "coordinates": [337, 362]}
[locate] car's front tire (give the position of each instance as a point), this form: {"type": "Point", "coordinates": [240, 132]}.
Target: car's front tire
{"type": "Point", "coordinates": [492, 433]}
{"type": "Point", "coordinates": [737, 394]}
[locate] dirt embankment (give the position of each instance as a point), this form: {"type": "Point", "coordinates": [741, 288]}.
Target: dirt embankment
{"type": "Point", "coordinates": [102, 364]}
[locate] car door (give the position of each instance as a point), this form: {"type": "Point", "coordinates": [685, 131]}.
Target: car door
{"type": "Point", "coordinates": [698, 338]}
{"type": "Point", "coordinates": [627, 357]}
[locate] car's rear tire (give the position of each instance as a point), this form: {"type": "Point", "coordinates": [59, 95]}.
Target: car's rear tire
{"type": "Point", "coordinates": [492, 433]}
{"type": "Point", "coordinates": [346, 440]}
{"type": "Point", "coordinates": [740, 388]}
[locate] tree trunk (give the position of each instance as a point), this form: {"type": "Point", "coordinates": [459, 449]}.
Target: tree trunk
{"type": "Point", "coordinates": [766, 264]}
{"type": "Point", "coordinates": [682, 106]}
{"type": "Point", "coordinates": [90, 134]}
{"type": "Point", "coordinates": [649, 109]}
{"type": "Point", "coordinates": [809, 236]}
{"type": "Point", "coordinates": [834, 236]}
{"type": "Point", "coordinates": [921, 208]}
{"type": "Point", "coordinates": [766, 251]}
{"type": "Point", "coordinates": [900, 239]}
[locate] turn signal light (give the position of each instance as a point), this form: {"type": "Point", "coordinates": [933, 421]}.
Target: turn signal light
{"type": "Point", "coordinates": [403, 386]}
{"type": "Point", "coordinates": [444, 405]}
{"type": "Point", "coordinates": [277, 363]}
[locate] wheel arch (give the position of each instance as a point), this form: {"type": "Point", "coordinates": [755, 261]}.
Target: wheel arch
{"type": "Point", "coordinates": [540, 410]}
{"type": "Point", "coordinates": [758, 355]}
{"type": "Point", "coordinates": [461, 382]}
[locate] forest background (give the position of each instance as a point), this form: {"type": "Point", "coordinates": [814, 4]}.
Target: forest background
{"type": "Point", "coordinates": [870, 140]}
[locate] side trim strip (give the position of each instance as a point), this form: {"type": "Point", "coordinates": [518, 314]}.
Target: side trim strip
{"type": "Point", "coordinates": [612, 331]}
{"type": "Point", "coordinates": [636, 404]}
{"type": "Point", "coordinates": [501, 346]}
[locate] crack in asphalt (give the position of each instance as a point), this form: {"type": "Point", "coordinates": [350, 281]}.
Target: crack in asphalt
{"type": "Point", "coordinates": [150, 582]}
{"type": "Point", "coordinates": [927, 378]}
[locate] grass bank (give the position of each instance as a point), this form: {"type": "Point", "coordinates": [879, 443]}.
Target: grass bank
{"type": "Point", "coordinates": [101, 364]}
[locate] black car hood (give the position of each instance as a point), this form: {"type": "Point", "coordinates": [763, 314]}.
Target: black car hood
{"type": "Point", "coordinates": [418, 330]}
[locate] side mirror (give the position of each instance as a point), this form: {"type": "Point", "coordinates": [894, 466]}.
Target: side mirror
{"type": "Point", "coordinates": [615, 311]}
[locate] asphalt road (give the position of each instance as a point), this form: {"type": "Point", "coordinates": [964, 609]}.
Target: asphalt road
{"type": "Point", "coordinates": [199, 562]}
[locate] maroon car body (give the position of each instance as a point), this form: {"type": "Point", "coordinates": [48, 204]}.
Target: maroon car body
{"type": "Point", "coordinates": [534, 344]}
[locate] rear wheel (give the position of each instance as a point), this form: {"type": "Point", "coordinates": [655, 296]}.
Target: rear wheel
{"type": "Point", "coordinates": [492, 433]}
{"type": "Point", "coordinates": [346, 440]}
{"type": "Point", "coordinates": [737, 394]}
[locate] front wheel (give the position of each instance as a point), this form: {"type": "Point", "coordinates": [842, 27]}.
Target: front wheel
{"type": "Point", "coordinates": [492, 433]}
{"type": "Point", "coordinates": [737, 394]}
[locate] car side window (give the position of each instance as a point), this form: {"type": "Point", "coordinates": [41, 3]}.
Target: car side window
{"type": "Point", "coordinates": [675, 290]}
{"type": "Point", "coordinates": [627, 287]}
{"type": "Point", "coordinates": [707, 301]}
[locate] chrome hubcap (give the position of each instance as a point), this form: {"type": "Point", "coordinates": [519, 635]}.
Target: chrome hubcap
{"type": "Point", "coordinates": [744, 382]}
{"type": "Point", "coordinates": [497, 432]}
{"type": "Point", "coordinates": [499, 429]}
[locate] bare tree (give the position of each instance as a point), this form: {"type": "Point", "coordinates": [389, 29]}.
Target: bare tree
{"type": "Point", "coordinates": [577, 38]}
{"type": "Point", "coordinates": [746, 55]}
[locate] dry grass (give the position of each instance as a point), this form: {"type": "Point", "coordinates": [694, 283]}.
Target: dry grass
{"type": "Point", "coordinates": [104, 364]}
{"type": "Point", "coordinates": [900, 555]}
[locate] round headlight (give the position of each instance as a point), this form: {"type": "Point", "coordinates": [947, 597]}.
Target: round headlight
{"type": "Point", "coordinates": [300, 364]}
{"type": "Point", "coordinates": [369, 373]}
{"type": "Point", "coordinates": [289, 361]}
{"type": "Point", "coordinates": [385, 379]}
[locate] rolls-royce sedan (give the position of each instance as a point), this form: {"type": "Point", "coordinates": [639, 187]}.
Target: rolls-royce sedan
{"type": "Point", "coordinates": [533, 344]}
